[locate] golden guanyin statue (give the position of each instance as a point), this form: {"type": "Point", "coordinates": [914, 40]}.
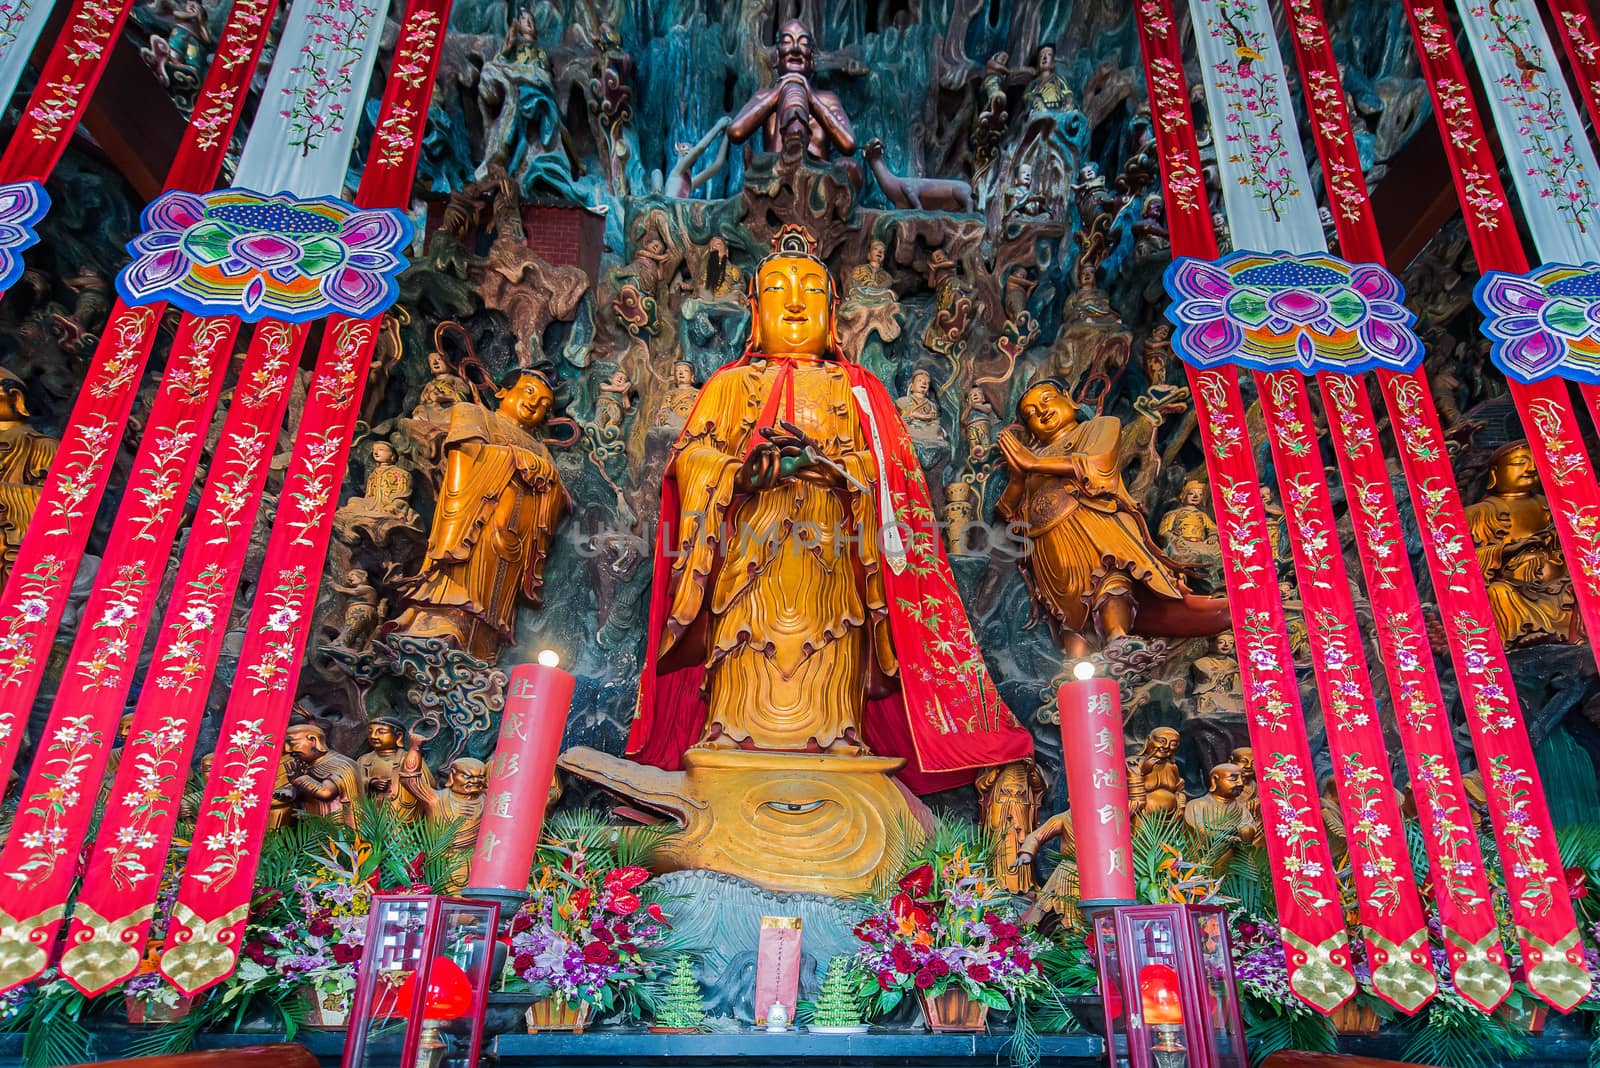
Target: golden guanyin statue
{"type": "Point", "coordinates": [1530, 590]}
{"type": "Point", "coordinates": [497, 509]}
{"type": "Point", "coordinates": [802, 599]}
{"type": "Point", "coordinates": [25, 457]}
{"type": "Point", "coordinates": [1093, 565]}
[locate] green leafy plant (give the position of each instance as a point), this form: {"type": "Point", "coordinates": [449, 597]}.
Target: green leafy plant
{"type": "Point", "coordinates": [681, 1007]}
{"type": "Point", "coordinates": [838, 1002]}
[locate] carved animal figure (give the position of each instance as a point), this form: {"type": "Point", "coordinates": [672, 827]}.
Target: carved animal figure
{"type": "Point", "coordinates": [918, 194]}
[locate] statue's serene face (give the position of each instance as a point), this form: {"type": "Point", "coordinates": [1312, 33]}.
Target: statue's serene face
{"type": "Point", "coordinates": [1163, 743]}
{"type": "Point", "coordinates": [528, 401]}
{"type": "Point", "coordinates": [920, 383]}
{"type": "Point", "coordinates": [382, 737]}
{"type": "Point", "coordinates": [1246, 761]}
{"type": "Point", "coordinates": [875, 253]}
{"type": "Point", "coordinates": [793, 311]}
{"type": "Point", "coordinates": [1226, 782]}
{"type": "Point", "coordinates": [1194, 494]}
{"type": "Point", "coordinates": [682, 375]}
{"type": "Point", "coordinates": [1046, 412]}
{"type": "Point", "coordinates": [11, 406]}
{"type": "Point", "coordinates": [1515, 472]}
{"type": "Point", "coordinates": [794, 48]}
{"type": "Point", "coordinates": [1225, 644]}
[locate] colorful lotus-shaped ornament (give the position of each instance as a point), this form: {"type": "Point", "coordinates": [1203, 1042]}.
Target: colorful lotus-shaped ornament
{"type": "Point", "coordinates": [1272, 312]}
{"type": "Point", "coordinates": [22, 205]}
{"type": "Point", "coordinates": [242, 253]}
{"type": "Point", "coordinates": [1543, 323]}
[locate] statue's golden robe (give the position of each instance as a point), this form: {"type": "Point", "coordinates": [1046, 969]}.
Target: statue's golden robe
{"type": "Point", "coordinates": [25, 458]}
{"type": "Point", "coordinates": [492, 526]}
{"type": "Point", "coordinates": [791, 605]}
{"type": "Point", "coordinates": [1089, 540]}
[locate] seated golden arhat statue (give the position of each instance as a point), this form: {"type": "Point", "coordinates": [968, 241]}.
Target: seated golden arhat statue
{"type": "Point", "coordinates": [805, 625]}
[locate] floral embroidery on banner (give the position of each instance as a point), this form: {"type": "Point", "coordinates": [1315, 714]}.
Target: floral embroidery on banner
{"type": "Point", "coordinates": [271, 378]}
{"type": "Point", "coordinates": [1245, 534]}
{"type": "Point", "coordinates": [1538, 103]}
{"type": "Point", "coordinates": [1416, 434]}
{"type": "Point", "coordinates": [1452, 832]}
{"type": "Point", "coordinates": [159, 485]}
{"type": "Point", "coordinates": [195, 365]}
{"type": "Point", "coordinates": [1581, 34]}
{"type": "Point", "coordinates": [1226, 434]}
{"type": "Point", "coordinates": [270, 671]}
{"type": "Point", "coordinates": [79, 478]}
{"type": "Point", "coordinates": [248, 451]}
{"type": "Point", "coordinates": [1262, 645]}
{"type": "Point", "coordinates": [317, 483]}
{"type": "Point", "coordinates": [1312, 539]}
{"type": "Point", "coordinates": [1564, 456]}
{"type": "Point", "coordinates": [1370, 832]}
{"type": "Point", "coordinates": [52, 113]}
{"type": "Point", "coordinates": [1153, 19]}
{"type": "Point", "coordinates": [198, 613]}
{"type": "Point", "coordinates": [1408, 640]}
{"type": "Point", "coordinates": [123, 609]}
{"type": "Point", "coordinates": [40, 817]}
{"type": "Point", "coordinates": [1380, 530]}
{"type": "Point", "coordinates": [320, 82]}
{"type": "Point", "coordinates": [1513, 787]}
{"type": "Point", "coordinates": [1250, 89]}
{"type": "Point", "coordinates": [90, 31]}
{"type": "Point", "coordinates": [412, 56]}
{"type": "Point", "coordinates": [13, 13]}
{"type": "Point", "coordinates": [39, 589]}
{"type": "Point", "coordinates": [339, 383]}
{"type": "Point", "coordinates": [1491, 704]}
{"type": "Point", "coordinates": [1355, 428]}
{"type": "Point", "coordinates": [1434, 36]}
{"type": "Point", "coordinates": [1299, 830]}
{"type": "Point", "coordinates": [1290, 430]}
{"type": "Point", "coordinates": [250, 754]}
{"type": "Point", "coordinates": [155, 753]}
{"type": "Point", "coordinates": [127, 355]}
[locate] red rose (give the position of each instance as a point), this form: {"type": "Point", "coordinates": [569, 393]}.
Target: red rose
{"type": "Point", "coordinates": [938, 967]}
{"type": "Point", "coordinates": [903, 961]}
{"type": "Point", "coordinates": [924, 979]}
{"type": "Point", "coordinates": [979, 973]}
{"type": "Point", "coordinates": [885, 980]}
{"type": "Point", "coordinates": [598, 953]}
{"type": "Point", "coordinates": [522, 921]}
{"type": "Point", "coordinates": [522, 962]}
{"type": "Point", "coordinates": [918, 881]}
{"type": "Point", "coordinates": [1021, 959]}
{"type": "Point", "coordinates": [319, 928]}
{"type": "Point", "coordinates": [343, 954]}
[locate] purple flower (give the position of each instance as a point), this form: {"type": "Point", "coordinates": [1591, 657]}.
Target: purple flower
{"type": "Point", "coordinates": [1543, 323]}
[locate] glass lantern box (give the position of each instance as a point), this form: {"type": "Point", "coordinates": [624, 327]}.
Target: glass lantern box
{"type": "Point", "coordinates": [1167, 988]}
{"type": "Point", "coordinates": [426, 969]}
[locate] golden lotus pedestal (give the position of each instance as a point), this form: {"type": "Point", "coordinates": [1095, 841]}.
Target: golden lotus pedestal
{"type": "Point", "coordinates": [812, 822]}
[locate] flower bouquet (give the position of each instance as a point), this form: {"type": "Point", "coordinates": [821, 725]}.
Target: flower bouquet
{"type": "Point", "coordinates": [588, 935]}
{"type": "Point", "coordinates": [319, 951]}
{"type": "Point", "coordinates": [949, 936]}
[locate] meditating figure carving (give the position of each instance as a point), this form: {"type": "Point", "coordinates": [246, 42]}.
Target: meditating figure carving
{"type": "Point", "coordinates": [1530, 590]}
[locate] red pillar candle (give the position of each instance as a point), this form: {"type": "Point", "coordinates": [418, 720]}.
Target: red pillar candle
{"type": "Point", "coordinates": [538, 697]}
{"type": "Point", "coordinates": [1097, 786]}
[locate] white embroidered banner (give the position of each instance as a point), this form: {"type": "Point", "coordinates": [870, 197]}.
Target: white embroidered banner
{"type": "Point", "coordinates": [301, 139]}
{"type": "Point", "coordinates": [1265, 185]}
{"type": "Point", "coordinates": [21, 23]}
{"type": "Point", "coordinates": [1551, 164]}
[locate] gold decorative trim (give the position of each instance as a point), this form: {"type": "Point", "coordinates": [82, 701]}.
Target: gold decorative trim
{"type": "Point", "coordinates": [1404, 976]}
{"type": "Point", "coordinates": [25, 945]}
{"type": "Point", "coordinates": [1322, 978]}
{"type": "Point", "coordinates": [1481, 977]}
{"type": "Point", "coordinates": [104, 951]}
{"type": "Point", "coordinates": [203, 951]}
{"type": "Point", "coordinates": [1552, 973]}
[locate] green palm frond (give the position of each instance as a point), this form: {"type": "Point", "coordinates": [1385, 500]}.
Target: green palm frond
{"type": "Point", "coordinates": [1454, 1034]}
{"type": "Point", "coordinates": [1269, 1027]}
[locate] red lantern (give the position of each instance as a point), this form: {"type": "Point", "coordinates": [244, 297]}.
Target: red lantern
{"type": "Point", "coordinates": [1172, 962]}
{"type": "Point", "coordinates": [443, 947]}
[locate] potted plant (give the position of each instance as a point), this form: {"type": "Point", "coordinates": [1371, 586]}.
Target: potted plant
{"type": "Point", "coordinates": [838, 1007]}
{"type": "Point", "coordinates": [949, 936]}
{"type": "Point", "coordinates": [317, 950]}
{"type": "Point", "coordinates": [680, 1011]}
{"type": "Point", "coordinates": [591, 929]}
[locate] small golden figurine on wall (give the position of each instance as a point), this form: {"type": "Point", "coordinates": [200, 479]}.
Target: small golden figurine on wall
{"type": "Point", "coordinates": [1155, 782]}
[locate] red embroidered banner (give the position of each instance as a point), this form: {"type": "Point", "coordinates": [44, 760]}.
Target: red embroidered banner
{"type": "Point", "coordinates": [40, 854]}
{"type": "Point", "coordinates": [1546, 927]}
{"type": "Point", "coordinates": [1310, 916]}
{"type": "Point", "coordinates": [1575, 26]}
{"type": "Point", "coordinates": [111, 916]}
{"type": "Point", "coordinates": [1393, 924]}
{"type": "Point", "coordinates": [48, 558]}
{"type": "Point", "coordinates": [65, 85]}
{"type": "Point", "coordinates": [1459, 880]}
{"type": "Point", "coordinates": [213, 901]}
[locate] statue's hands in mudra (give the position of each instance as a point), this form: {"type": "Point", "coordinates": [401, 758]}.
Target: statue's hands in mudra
{"type": "Point", "coordinates": [1018, 456]}
{"type": "Point", "coordinates": [783, 451]}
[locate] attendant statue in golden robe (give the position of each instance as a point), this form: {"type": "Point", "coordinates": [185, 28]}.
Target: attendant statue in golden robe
{"type": "Point", "coordinates": [1155, 782]}
{"type": "Point", "coordinates": [1530, 590]}
{"type": "Point", "coordinates": [1093, 564]}
{"type": "Point", "coordinates": [848, 640]}
{"type": "Point", "coordinates": [497, 509]}
{"type": "Point", "coordinates": [321, 782]}
{"type": "Point", "coordinates": [25, 456]}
